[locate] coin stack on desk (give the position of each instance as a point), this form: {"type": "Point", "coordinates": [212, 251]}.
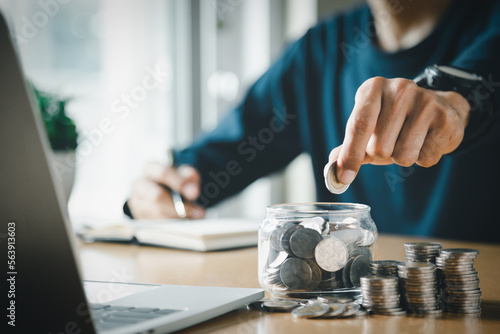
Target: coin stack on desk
{"type": "Point", "coordinates": [422, 251]}
{"type": "Point", "coordinates": [385, 268]}
{"type": "Point", "coordinates": [381, 295]}
{"type": "Point", "coordinates": [419, 287]}
{"type": "Point", "coordinates": [460, 290]}
{"type": "Point", "coordinates": [395, 287]}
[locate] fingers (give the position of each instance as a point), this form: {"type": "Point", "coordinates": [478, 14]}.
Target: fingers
{"type": "Point", "coordinates": [185, 179]}
{"type": "Point", "coordinates": [395, 121]}
{"type": "Point", "coordinates": [398, 100]}
{"type": "Point", "coordinates": [334, 154]}
{"type": "Point", "coordinates": [190, 187]}
{"type": "Point", "coordinates": [447, 129]}
{"type": "Point", "coordinates": [411, 140]}
{"type": "Point", "coordinates": [152, 201]}
{"type": "Point", "coordinates": [360, 127]}
{"type": "Point", "coordinates": [430, 153]}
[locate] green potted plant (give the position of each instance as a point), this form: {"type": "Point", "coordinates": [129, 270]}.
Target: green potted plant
{"type": "Point", "coordinates": [62, 134]}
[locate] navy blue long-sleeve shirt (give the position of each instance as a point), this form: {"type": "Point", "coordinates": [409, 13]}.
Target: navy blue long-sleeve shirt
{"type": "Point", "coordinates": [302, 104]}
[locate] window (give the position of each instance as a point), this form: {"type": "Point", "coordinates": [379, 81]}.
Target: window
{"type": "Point", "coordinates": [155, 73]}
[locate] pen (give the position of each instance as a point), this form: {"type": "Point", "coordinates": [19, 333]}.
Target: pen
{"type": "Point", "coordinates": [179, 206]}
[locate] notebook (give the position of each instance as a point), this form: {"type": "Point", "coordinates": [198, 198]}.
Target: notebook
{"type": "Point", "coordinates": [198, 235]}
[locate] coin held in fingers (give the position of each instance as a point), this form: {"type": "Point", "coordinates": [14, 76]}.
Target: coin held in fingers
{"type": "Point", "coordinates": [331, 181]}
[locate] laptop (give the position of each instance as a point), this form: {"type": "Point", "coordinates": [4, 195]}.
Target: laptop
{"type": "Point", "coordinates": [45, 293]}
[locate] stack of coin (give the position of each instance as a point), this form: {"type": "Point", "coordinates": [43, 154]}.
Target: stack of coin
{"type": "Point", "coordinates": [384, 268]}
{"type": "Point", "coordinates": [381, 295]}
{"type": "Point", "coordinates": [459, 280]}
{"type": "Point", "coordinates": [419, 287]}
{"type": "Point", "coordinates": [422, 251]}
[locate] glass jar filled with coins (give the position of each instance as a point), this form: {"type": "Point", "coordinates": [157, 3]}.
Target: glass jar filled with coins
{"type": "Point", "coordinates": [314, 249]}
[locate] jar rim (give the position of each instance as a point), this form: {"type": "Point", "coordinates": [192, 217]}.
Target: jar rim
{"type": "Point", "coordinates": [329, 208]}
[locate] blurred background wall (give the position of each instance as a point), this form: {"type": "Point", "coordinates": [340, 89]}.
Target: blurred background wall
{"type": "Point", "coordinates": [204, 55]}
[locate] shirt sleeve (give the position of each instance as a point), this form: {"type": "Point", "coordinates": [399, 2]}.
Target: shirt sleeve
{"type": "Point", "coordinates": [258, 137]}
{"type": "Point", "coordinates": [481, 57]}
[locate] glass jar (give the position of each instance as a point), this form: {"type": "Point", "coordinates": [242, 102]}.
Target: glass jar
{"type": "Point", "coordinates": [311, 249]}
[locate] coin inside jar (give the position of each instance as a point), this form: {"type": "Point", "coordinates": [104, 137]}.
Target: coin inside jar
{"type": "Point", "coordinates": [295, 273]}
{"type": "Point", "coordinates": [331, 254]}
{"type": "Point", "coordinates": [360, 267]}
{"type": "Point", "coordinates": [285, 238]}
{"type": "Point", "coordinates": [303, 242]}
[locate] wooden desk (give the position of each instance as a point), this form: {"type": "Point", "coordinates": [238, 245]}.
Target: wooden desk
{"type": "Point", "coordinates": [238, 268]}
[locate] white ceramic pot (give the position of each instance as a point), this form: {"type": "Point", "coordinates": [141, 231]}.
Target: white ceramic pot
{"type": "Point", "coordinates": [65, 167]}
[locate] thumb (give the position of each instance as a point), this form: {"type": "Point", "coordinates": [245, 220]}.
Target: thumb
{"type": "Point", "coordinates": [184, 180]}
{"type": "Point", "coordinates": [189, 186]}
{"type": "Point", "coordinates": [334, 155]}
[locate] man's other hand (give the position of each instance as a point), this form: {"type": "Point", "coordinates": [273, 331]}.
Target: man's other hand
{"type": "Point", "coordinates": [151, 200]}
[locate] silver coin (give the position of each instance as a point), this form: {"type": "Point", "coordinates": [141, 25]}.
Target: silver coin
{"type": "Point", "coordinates": [446, 274]}
{"type": "Point", "coordinates": [331, 254]}
{"type": "Point", "coordinates": [350, 222]}
{"type": "Point", "coordinates": [331, 280]}
{"type": "Point", "coordinates": [285, 238]}
{"type": "Point", "coordinates": [385, 264]}
{"type": "Point", "coordinates": [390, 297]}
{"type": "Point", "coordinates": [280, 305]}
{"type": "Point", "coordinates": [316, 275]}
{"type": "Point", "coordinates": [335, 310]}
{"type": "Point", "coordinates": [424, 245]}
{"type": "Point", "coordinates": [275, 239]}
{"type": "Point", "coordinates": [459, 252]}
{"type": "Point", "coordinates": [434, 312]}
{"type": "Point", "coordinates": [360, 267]}
{"type": "Point", "coordinates": [470, 286]}
{"type": "Point", "coordinates": [464, 304]}
{"type": "Point", "coordinates": [348, 235]}
{"type": "Point", "coordinates": [381, 301]}
{"type": "Point", "coordinates": [273, 279]}
{"type": "Point", "coordinates": [380, 306]}
{"type": "Point", "coordinates": [346, 273]}
{"type": "Point", "coordinates": [282, 256]}
{"type": "Point", "coordinates": [354, 250]}
{"type": "Point", "coordinates": [350, 310]}
{"type": "Point", "coordinates": [316, 223]}
{"type": "Point", "coordinates": [361, 313]}
{"type": "Point", "coordinates": [417, 266]}
{"type": "Point", "coordinates": [381, 289]}
{"type": "Point", "coordinates": [331, 181]}
{"type": "Point", "coordinates": [380, 280]}
{"type": "Point", "coordinates": [391, 312]}
{"type": "Point", "coordinates": [295, 273]}
{"type": "Point", "coordinates": [334, 299]}
{"type": "Point", "coordinates": [460, 280]}
{"type": "Point", "coordinates": [303, 242]}
{"type": "Point", "coordinates": [311, 310]}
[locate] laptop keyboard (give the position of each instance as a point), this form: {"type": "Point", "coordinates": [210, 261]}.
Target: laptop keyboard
{"type": "Point", "coordinates": [111, 317]}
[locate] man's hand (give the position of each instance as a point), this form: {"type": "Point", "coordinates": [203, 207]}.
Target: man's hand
{"type": "Point", "coordinates": [395, 121]}
{"type": "Point", "coordinates": [150, 199]}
